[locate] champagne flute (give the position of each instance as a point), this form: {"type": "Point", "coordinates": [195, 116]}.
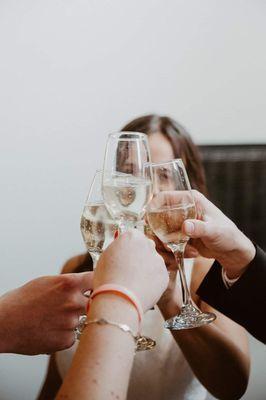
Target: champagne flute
{"type": "Point", "coordinates": [127, 186]}
{"type": "Point", "coordinates": [97, 227]}
{"type": "Point", "coordinates": [171, 205]}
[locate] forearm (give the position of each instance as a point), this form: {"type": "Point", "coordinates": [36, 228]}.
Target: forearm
{"type": "Point", "coordinates": [8, 335]}
{"type": "Point", "coordinates": [218, 363]}
{"type": "Point", "coordinates": [102, 364]}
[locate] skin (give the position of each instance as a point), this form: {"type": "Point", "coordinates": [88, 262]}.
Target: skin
{"type": "Point", "coordinates": [160, 147]}
{"type": "Point", "coordinates": [217, 353]}
{"type": "Point", "coordinates": [105, 373]}
{"type": "Point", "coordinates": [40, 316]}
{"type": "Point", "coordinates": [216, 236]}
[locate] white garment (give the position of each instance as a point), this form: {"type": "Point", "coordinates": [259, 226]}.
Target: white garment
{"type": "Point", "coordinates": [159, 374]}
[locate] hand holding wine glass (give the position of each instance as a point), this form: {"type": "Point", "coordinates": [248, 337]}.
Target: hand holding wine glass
{"type": "Point", "coordinates": [211, 234]}
{"type": "Point", "coordinates": [142, 258]}
{"type": "Point", "coordinates": [171, 205]}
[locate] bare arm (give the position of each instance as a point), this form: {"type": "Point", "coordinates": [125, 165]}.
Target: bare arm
{"type": "Point", "coordinates": [53, 381]}
{"type": "Point", "coordinates": [102, 363]}
{"type": "Point", "coordinates": [218, 353]}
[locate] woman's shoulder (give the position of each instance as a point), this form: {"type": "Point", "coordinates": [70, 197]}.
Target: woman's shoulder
{"type": "Point", "coordinates": [73, 263]}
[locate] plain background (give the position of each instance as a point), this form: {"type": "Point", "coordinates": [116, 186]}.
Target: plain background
{"type": "Point", "coordinates": [71, 72]}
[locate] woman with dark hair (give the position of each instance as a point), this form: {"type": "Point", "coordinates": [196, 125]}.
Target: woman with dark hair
{"type": "Point", "coordinates": [164, 131]}
{"type": "Point", "coordinates": [184, 364]}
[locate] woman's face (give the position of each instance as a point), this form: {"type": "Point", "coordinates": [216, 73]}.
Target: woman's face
{"type": "Point", "coordinates": [160, 147]}
{"type": "Point", "coordinates": [161, 151]}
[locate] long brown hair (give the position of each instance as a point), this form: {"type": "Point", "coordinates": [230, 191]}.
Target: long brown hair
{"type": "Point", "coordinates": [182, 144]}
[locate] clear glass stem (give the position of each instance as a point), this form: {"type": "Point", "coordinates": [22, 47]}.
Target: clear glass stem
{"type": "Point", "coordinates": [186, 297]}
{"type": "Point", "coordinates": [95, 257]}
{"type": "Point", "coordinates": [190, 316]}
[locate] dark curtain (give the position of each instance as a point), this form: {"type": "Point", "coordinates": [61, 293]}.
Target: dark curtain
{"type": "Point", "coordinates": [236, 180]}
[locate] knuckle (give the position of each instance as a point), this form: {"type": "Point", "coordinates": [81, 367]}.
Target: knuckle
{"type": "Point", "coordinates": [67, 282]}
{"type": "Point", "coordinates": [72, 322]}
{"type": "Point", "coordinates": [67, 340]}
{"type": "Point", "coordinates": [75, 302]}
{"type": "Point", "coordinates": [68, 321]}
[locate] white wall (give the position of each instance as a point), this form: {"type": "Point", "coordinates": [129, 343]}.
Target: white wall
{"type": "Point", "coordinates": [71, 72]}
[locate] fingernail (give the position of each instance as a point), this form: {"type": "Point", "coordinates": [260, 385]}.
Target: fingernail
{"type": "Point", "coordinates": [189, 227]}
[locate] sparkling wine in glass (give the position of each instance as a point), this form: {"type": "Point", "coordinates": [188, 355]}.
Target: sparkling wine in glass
{"type": "Point", "coordinates": [97, 227]}
{"type": "Point", "coordinates": [127, 185]}
{"type": "Point", "coordinates": [171, 205]}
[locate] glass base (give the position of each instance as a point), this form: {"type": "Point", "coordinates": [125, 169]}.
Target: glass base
{"type": "Point", "coordinates": [189, 318]}
{"type": "Point", "coordinates": [145, 343]}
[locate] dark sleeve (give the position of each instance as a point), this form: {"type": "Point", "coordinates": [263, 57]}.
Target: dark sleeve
{"type": "Point", "coordinates": [245, 301]}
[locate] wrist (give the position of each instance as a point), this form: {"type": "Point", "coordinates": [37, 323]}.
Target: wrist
{"type": "Point", "coordinates": [116, 308]}
{"type": "Point", "coordinates": [119, 291]}
{"type": "Point", "coordinates": [236, 261]}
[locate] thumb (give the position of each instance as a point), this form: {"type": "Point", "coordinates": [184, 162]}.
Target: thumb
{"type": "Point", "coordinates": [197, 229]}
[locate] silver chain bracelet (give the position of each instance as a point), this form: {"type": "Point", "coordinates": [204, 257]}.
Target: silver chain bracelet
{"type": "Point", "coordinates": [140, 343]}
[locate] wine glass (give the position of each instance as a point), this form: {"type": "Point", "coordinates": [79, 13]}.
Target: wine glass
{"type": "Point", "coordinates": [171, 205]}
{"type": "Point", "coordinates": [127, 186]}
{"type": "Point", "coordinates": [97, 227]}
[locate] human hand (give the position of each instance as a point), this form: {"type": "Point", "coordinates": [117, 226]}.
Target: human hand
{"type": "Point", "coordinates": [215, 236]}
{"type": "Point", "coordinates": [132, 261]}
{"type": "Point", "coordinates": [40, 316]}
